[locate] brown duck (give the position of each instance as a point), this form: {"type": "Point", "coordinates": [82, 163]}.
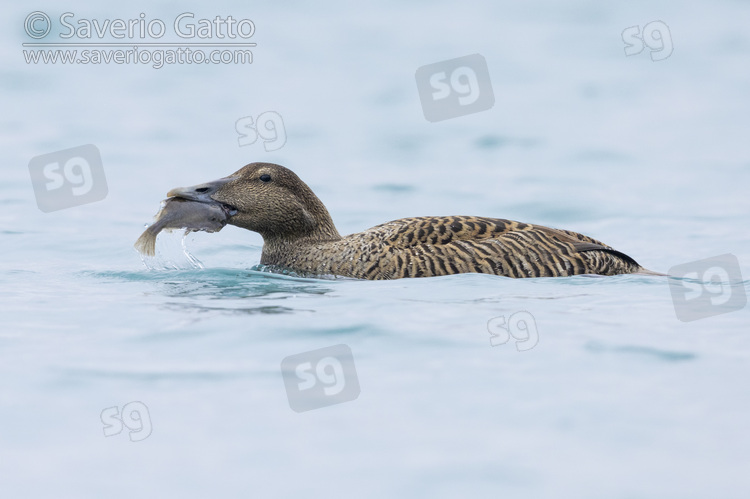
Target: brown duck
{"type": "Point", "coordinates": [299, 235]}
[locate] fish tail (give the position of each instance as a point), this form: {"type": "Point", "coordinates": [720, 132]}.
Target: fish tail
{"type": "Point", "coordinates": [146, 244]}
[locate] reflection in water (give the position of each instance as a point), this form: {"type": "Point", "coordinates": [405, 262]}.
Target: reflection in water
{"type": "Point", "coordinates": [267, 309]}
{"type": "Point", "coordinates": [191, 290]}
{"type": "Point", "coordinates": [242, 284]}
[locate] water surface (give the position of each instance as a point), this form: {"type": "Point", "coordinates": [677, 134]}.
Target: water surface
{"type": "Point", "coordinates": [617, 398]}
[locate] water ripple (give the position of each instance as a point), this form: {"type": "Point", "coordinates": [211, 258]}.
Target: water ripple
{"type": "Point", "coordinates": [654, 353]}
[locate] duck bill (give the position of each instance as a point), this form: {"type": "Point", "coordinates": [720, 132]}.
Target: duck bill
{"type": "Point", "coordinates": [201, 192]}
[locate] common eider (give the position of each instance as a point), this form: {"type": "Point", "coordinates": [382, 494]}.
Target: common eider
{"type": "Point", "coordinates": [299, 235]}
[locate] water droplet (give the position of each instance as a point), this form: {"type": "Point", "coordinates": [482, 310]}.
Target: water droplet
{"type": "Point", "coordinates": [193, 260]}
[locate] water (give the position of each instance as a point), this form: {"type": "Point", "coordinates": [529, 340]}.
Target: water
{"type": "Point", "coordinates": [617, 398]}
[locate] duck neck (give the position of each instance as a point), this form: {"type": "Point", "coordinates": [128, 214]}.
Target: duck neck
{"type": "Point", "coordinates": [281, 249]}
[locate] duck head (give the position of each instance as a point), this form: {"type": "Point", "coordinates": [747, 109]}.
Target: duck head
{"type": "Point", "coordinates": [268, 199]}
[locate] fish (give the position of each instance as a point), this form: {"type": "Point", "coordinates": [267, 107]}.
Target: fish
{"type": "Point", "coordinates": [179, 213]}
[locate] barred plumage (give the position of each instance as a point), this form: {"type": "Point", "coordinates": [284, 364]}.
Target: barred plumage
{"type": "Point", "coordinates": [299, 234]}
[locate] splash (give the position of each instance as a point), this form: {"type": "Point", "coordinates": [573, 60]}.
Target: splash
{"type": "Point", "coordinates": [171, 255]}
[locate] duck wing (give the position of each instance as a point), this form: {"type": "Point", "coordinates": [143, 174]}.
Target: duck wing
{"type": "Point", "coordinates": [432, 246]}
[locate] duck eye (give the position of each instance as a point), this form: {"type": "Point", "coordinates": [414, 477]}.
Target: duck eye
{"type": "Point", "coordinates": [265, 178]}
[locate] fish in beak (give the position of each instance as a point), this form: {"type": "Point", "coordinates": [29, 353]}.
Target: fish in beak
{"type": "Point", "coordinates": [189, 208]}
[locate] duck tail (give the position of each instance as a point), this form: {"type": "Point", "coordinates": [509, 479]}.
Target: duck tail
{"type": "Point", "coordinates": [644, 271]}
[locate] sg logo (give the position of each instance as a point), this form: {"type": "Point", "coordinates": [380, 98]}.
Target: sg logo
{"type": "Point", "coordinates": [707, 287]}
{"type": "Point", "coordinates": [521, 326]}
{"type": "Point", "coordinates": [134, 416]}
{"type": "Point", "coordinates": [269, 126]}
{"type": "Point", "coordinates": [455, 87]}
{"type": "Point", "coordinates": [656, 36]}
{"type": "Point", "coordinates": [68, 178]}
{"type": "Point", "coordinates": [320, 378]}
